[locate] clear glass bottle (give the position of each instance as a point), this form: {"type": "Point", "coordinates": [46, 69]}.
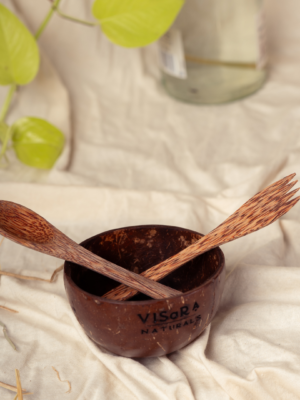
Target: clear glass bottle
{"type": "Point", "coordinates": [215, 51]}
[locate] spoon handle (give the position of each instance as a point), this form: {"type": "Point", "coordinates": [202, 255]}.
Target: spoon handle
{"type": "Point", "coordinates": [139, 282]}
{"type": "Point", "coordinates": [162, 269]}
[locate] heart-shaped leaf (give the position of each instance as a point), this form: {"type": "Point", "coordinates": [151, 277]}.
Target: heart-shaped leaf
{"type": "Point", "coordinates": [135, 23]}
{"type": "Point", "coordinates": [37, 143]}
{"type": "Point", "coordinates": [19, 54]}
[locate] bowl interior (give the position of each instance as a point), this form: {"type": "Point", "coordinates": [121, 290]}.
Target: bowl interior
{"type": "Point", "coordinates": [141, 247]}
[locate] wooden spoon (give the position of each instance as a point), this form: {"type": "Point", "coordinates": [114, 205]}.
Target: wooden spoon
{"type": "Point", "coordinates": [29, 229]}
{"type": "Point", "coordinates": [261, 210]}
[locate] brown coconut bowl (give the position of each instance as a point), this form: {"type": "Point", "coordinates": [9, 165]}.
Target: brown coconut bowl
{"type": "Point", "coordinates": [143, 327]}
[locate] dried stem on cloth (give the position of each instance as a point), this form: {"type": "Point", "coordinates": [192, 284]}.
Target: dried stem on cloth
{"type": "Point", "coordinates": [33, 278]}
{"type": "Point", "coordinates": [57, 373]}
{"type": "Point", "coordinates": [19, 387]}
{"type": "Point", "coordinates": [9, 309]}
{"type": "Point", "coordinates": [12, 388]}
{"type": "Point", "coordinates": [24, 394]}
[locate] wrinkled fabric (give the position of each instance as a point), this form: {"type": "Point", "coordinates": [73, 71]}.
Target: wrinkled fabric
{"type": "Point", "coordinates": [135, 156]}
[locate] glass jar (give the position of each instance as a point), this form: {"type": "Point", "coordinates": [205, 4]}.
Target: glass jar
{"type": "Point", "coordinates": [215, 51]}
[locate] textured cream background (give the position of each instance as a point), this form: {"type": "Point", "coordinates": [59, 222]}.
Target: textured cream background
{"type": "Point", "coordinates": [135, 156]}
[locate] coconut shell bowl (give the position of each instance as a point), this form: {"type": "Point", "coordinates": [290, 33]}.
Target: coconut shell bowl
{"type": "Point", "coordinates": [140, 326]}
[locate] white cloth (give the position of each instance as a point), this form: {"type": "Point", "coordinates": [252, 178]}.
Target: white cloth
{"type": "Point", "coordinates": [135, 156]}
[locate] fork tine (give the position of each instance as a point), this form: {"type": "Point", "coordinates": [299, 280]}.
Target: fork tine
{"type": "Point", "coordinates": [261, 201]}
{"type": "Point", "coordinates": [267, 201]}
{"type": "Point", "coordinates": [278, 202]}
{"type": "Point", "coordinates": [269, 190]}
{"type": "Point", "coordinates": [285, 208]}
{"type": "Point", "coordinates": [265, 217]}
{"type": "Point", "coordinates": [293, 201]}
{"type": "Point", "coordinates": [285, 188]}
{"type": "Point", "coordinates": [276, 185]}
{"type": "Point", "coordinates": [278, 195]}
{"type": "Point", "coordinates": [289, 195]}
{"type": "Point", "coordinates": [280, 186]}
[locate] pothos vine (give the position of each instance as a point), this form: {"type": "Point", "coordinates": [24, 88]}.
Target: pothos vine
{"type": "Point", "coordinates": [134, 23]}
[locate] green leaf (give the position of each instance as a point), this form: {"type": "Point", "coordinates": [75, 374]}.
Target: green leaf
{"type": "Point", "coordinates": [37, 142]}
{"type": "Point", "coordinates": [135, 23]}
{"type": "Point", "coordinates": [19, 54]}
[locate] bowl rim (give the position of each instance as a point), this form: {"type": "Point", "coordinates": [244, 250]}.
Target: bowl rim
{"type": "Point", "coordinates": [150, 301]}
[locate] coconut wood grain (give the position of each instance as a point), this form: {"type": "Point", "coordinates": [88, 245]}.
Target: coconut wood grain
{"type": "Point", "coordinates": [261, 210]}
{"type": "Point", "coordinates": [29, 229]}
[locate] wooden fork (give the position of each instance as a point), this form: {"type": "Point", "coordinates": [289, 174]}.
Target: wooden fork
{"type": "Point", "coordinates": [261, 210]}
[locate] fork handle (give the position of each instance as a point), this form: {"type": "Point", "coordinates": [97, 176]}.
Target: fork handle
{"type": "Point", "coordinates": [261, 210]}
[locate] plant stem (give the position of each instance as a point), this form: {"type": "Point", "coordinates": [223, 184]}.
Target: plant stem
{"type": "Point", "coordinates": [5, 142]}
{"type": "Point", "coordinates": [46, 20]}
{"type": "Point", "coordinates": [7, 102]}
{"type": "Point", "coordinates": [80, 21]}
{"type": "Point", "coordinates": [2, 118]}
